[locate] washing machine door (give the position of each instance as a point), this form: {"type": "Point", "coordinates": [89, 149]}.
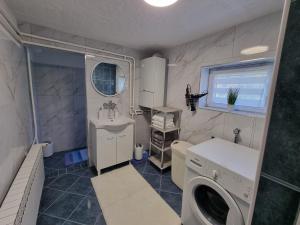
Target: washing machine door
{"type": "Point", "coordinates": [211, 204]}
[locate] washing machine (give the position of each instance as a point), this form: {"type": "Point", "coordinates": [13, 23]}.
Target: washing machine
{"type": "Point", "coordinates": [219, 183]}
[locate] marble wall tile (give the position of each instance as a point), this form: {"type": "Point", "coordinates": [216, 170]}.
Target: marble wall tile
{"type": "Point", "coordinates": [244, 123]}
{"type": "Point", "coordinates": [60, 105]}
{"type": "Point", "coordinates": [223, 47]}
{"type": "Point", "coordinates": [16, 121]}
{"type": "Point", "coordinates": [246, 36]}
{"type": "Point", "coordinates": [258, 133]}
{"type": "Point", "coordinates": [143, 134]}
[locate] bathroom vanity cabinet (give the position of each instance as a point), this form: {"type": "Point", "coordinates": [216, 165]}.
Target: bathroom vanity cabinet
{"type": "Point", "coordinates": [111, 147]}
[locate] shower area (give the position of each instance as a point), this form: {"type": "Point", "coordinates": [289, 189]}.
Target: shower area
{"type": "Point", "coordinates": [58, 83]}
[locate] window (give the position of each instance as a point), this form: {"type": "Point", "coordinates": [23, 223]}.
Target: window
{"type": "Point", "coordinates": [251, 78]}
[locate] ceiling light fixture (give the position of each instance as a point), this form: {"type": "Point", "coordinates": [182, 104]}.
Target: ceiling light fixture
{"type": "Point", "coordinates": [255, 50]}
{"type": "Point", "coordinates": [160, 3]}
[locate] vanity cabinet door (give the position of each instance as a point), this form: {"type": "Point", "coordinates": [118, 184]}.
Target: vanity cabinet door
{"type": "Point", "coordinates": [108, 146]}
{"type": "Point", "coordinates": [125, 144]}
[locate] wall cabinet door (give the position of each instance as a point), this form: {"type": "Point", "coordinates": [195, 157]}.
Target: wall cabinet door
{"type": "Point", "coordinates": [107, 151]}
{"type": "Point", "coordinates": [125, 144]}
{"type": "Point", "coordinates": [148, 70]}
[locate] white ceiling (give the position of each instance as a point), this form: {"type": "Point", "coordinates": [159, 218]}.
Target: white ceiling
{"type": "Point", "coordinates": [135, 24]}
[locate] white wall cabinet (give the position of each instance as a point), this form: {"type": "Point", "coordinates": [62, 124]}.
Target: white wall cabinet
{"type": "Point", "coordinates": [111, 147]}
{"type": "Point", "coordinates": [152, 86]}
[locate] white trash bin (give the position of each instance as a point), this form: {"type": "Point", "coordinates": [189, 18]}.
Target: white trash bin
{"type": "Point", "coordinates": [138, 153]}
{"type": "Point", "coordinates": [179, 149]}
{"type": "Point", "coordinates": [48, 149]}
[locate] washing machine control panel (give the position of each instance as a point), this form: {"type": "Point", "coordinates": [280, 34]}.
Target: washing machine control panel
{"type": "Point", "coordinates": [234, 183]}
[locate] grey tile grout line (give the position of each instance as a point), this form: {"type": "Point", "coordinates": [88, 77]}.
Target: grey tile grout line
{"type": "Point", "coordinates": [72, 184]}
{"type": "Point", "coordinates": [160, 184]}
{"type": "Point", "coordinates": [160, 190]}
{"type": "Point", "coordinates": [60, 177]}
{"type": "Point", "coordinates": [69, 173]}
{"type": "Point", "coordinates": [50, 182]}
{"type": "Point", "coordinates": [98, 217]}
{"type": "Point", "coordinates": [61, 218]}
{"type": "Point", "coordinates": [76, 208]}
{"type": "Point", "coordinates": [53, 202]}
{"type": "Point", "coordinates": [63, 193]}
{"type": "Point", "coordinates": [170, 192]}
{"type": "Point", "coordinates": [68, 192]}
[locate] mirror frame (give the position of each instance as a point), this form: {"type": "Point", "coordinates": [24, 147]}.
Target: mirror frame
{"type": "Point", "coordinates": [93, 85]}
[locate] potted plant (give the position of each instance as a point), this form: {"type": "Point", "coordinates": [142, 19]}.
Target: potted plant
{"type": "Point", "coordinates": [232, 96]}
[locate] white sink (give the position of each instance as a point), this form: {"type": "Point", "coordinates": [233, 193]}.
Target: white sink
{"type": "Point", "coordinates": [118, 123]}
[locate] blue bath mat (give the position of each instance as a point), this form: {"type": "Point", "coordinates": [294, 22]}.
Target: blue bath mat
{"type": "Point", "coordinates": [76, 157]}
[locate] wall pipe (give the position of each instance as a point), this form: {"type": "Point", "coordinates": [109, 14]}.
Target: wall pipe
{"type": "Point", "coordinates": [88, 51]}
{"type": "Point", "coordinates": [20, 38]}
{"type": "Point", "coordinates": [35, 139]}
{"type": "Point", "coordinates": [7, 27]}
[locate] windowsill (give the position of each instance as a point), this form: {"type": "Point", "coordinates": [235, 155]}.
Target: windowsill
{"type": "Point", "coordinates": [243, 113]}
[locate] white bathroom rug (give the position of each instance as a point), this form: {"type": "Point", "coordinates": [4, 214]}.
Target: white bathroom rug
{"type": "Point", "coordinates": [126, 198]}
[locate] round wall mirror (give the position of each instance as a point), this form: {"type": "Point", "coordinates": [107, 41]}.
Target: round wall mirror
{"type": "Point", "coordinates": [108, 79]}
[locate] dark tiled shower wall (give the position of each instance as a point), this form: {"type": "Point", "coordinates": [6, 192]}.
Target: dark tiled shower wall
{"type": "Point", "coordinates": [279, 188]}
{"type": "Point", "coordinates": [60, 105]}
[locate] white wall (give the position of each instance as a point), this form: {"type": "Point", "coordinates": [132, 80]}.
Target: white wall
{"type": "Point", "coordinates": [222, 47]}
{"type": "Point", "coordinates": [142, 134]}
{"type": "Point", "coordinates": [16, 134]}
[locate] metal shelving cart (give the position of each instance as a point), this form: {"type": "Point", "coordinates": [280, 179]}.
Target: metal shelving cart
{"type": "Point", "coordinates": [160, 156]}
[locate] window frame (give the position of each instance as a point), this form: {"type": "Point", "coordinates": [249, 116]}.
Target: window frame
{"type": "Point", "coordinates": [205, 85]}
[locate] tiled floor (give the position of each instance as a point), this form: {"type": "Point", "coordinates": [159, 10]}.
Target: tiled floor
{"type": "Point", "coordinates": [68, 197]}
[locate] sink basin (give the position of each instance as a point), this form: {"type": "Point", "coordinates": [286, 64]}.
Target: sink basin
{"type": "Point", "coordinates": [116, 124]}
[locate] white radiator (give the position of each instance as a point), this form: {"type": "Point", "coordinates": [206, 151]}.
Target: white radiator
{"type": "Point", "coordinates": [21, 204]}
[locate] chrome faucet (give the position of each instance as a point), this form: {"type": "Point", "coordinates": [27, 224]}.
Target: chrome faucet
{"type": "Point", "coordinates": [111, 107]}
{"type": "Point", "coordinates": [236, 133]}
{"type": "Point", "coordinates": [99, 110]}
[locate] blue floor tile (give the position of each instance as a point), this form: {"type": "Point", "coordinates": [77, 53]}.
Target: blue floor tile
{"type": "Point", "coordinates": [48, 220]}
{"type": "Point", "coordinates": [48, 197]}
{"type": "Point", "coordinates": [60, 164]}
{"type": "Point", "coordinates": [71, 223]}
{"type": "Point", "coordinates": [87, 212]}
{"type": "Point", "coordinates": [51, 172]}
{"type": "Point", "coordinates": [168, 185]}
{"type": "Point", "coordinates": [71, 198]}
{"type": "Point", "coordinates": [48, 180]}
{"type": "Point", "coordinates": [167, 172]}
{"type": "Point", "coordinates": [92, 193]}
{"type": "Point", "coordinates": [84, 172]}
{"type": "Point", "coordinates": [63, 182]}
{"type": "Point", "coordinates": [174, 200]}
{"type": "Point", "coordinates": [100, 220]}
{"type": "Point", "coordinates": [140, 166]}
{"type": "Point", "coordinates": [64, 206]}
{"type": "Point", "coordinates": [152, 179]}
{"type": "Point", "coordinates": [51, 162]}
{"type": "Point", "coordinates": [151, 169]}
{"type": "Point", "coordinates": [82, 186]}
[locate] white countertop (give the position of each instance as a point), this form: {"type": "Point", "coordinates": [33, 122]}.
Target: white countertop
{"type": "Point", "coordinates": [105, 122]}
{"type": "Point", "coordinates": [234, 157]}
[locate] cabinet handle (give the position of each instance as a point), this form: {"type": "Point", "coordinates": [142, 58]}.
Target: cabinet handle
{"type": "Point", "coordinates": [148, 91]}
{"type": "Point", "coordinates": [110, 138]}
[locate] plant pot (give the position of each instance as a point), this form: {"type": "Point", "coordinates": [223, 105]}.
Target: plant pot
{"type": "Point", "coordinates": [230, 107]}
